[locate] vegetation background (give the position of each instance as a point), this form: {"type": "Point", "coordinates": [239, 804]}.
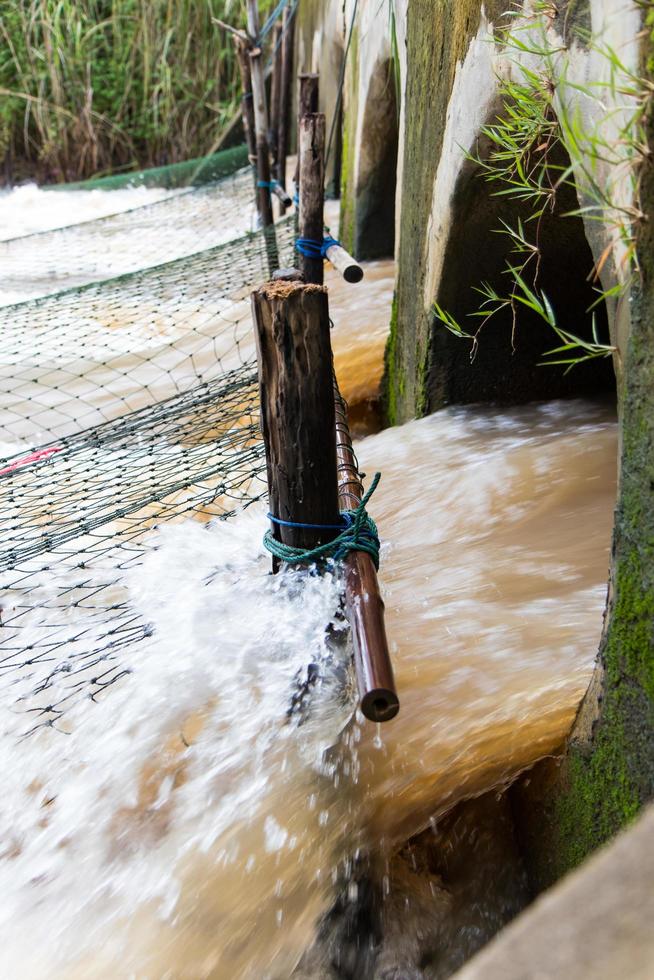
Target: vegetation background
{"type": "Point", "coordinates": [96, 86]}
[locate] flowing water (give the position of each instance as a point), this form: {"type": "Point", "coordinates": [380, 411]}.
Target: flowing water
{"type": "Point", "coordinates": [202, 819]}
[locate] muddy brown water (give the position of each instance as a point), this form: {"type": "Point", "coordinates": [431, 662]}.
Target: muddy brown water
{"type": "Point", "coordinates": [184, 829]}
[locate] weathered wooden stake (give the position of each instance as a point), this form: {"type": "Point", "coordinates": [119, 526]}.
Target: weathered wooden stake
{"type": "Point", "coordinates": [285, 97]}
{"type": "Point", "coordinates": [246, 99]}
{"type": "Point", "coordinates": [297, 408]}
{"type": "Point", "coordinates": [275, 90]}
{"type": "Point", "coordinates": [260, 119]}
{"type": "Point", "coordinates": [312, 191]}
{"type": "Point", "coordinates": [364, 605]}
{"type": "Point", "coordinates": [308, 97]}
{"type": "Point", "coordinates": [307, 104]}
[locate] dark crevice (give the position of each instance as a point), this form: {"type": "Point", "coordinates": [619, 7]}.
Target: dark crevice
{"type": "Point", "coordinates": [477, 252]}
{"type": "Point", "coordinates": [374, 235]}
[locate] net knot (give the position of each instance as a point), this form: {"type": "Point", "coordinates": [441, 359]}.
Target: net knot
{"type": "Point", "coordinates": [358, 532]}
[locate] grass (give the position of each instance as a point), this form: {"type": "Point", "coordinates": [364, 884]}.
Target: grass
{"type": "Point", "coordinates": [540, 111]}
{"type": "Point", "coordinates": [96, 86]}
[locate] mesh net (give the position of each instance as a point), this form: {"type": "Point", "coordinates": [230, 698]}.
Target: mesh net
{"type": "Point", "coordinates": [187, 173]}
{"type": "Point", "coordinates": [84, 356]}
{"type": "Point", "coordinates": [181, 224]}
{"type": "Point", "coordinates": [74, 523]}
{"type": "Point", "coordinates": [140, 395]}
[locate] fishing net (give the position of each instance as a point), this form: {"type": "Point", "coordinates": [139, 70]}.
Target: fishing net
{"type": "Point", "coordinates": [186, 173]}
{"type": "Point", "coordinates": [84, 356]}
{"type": "Point", "coordinates": [180, 224]}
{"type": "Point", "coordinates": [140, 397]}
{"type": "Point", "coordinates": [75, 522]}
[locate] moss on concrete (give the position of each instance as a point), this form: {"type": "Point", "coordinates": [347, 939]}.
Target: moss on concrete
{"type": "Point", "coordinates": [438, 36]}
{"type": "Point", "coordinates": [608, 772]}
{"type": "Point", "coordinates": [349, 130]}
{"type": "Point", "coordinates": [391, 383]}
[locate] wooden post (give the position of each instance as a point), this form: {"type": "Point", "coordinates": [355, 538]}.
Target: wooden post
{"type": "Point", "coordinates": [285, 97]}
{"type": "Point", "coordinates": [275, 90]}
{"type": "Point", "coordinates": [308, 98]}
{"type": "Point", "coordinates": [297, 408]}
{"type": "Point", "coordinates": [246, 100]}
{"type": "Point", "coordinates": [260, 119]}
{"type": "Point", "coordinates": [307, 104]}
{"type": "Point", "coordinates": [364, 605]}
{"type": "Point", "coordinates": [312, 192]}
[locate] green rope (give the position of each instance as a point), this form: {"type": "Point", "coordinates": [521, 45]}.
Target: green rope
{"type": "Point", "coordinates": [358, 534]}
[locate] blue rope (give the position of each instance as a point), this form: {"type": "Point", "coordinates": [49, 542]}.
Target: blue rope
{"type": "Point", "coordinates": [291, 15]}
{"type": "Point", "coordinates": [312, 527]}
{"type": "Point", "coordinates": [312, 249]}
{"type": "Point", "coordinates": [359, 534]}
{"type": "Point", "coordinates": [271, 184]}
{"type": "Point", "coordinates": [267, 27]}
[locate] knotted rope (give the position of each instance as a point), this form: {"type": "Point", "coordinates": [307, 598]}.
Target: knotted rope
{"type": "Point", "coordinates": [313, 249]}
{"type": "Point", "coordinates": [359, 533]}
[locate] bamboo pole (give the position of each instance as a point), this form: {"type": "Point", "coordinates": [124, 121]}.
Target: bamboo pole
{"type": "Point", "coordinates": [307, 105]}
{"type": "Point", "coordinates": [275, 93]}
{"type": "Point", "coordinates": [260, 118]}
{"type": "Point", "coordinates": [364, 605]}
{"type": "Point", "coordinates": [312, 180]}
{"type": "Point", "coordinates": [285, 98]}
{"type": "Point", "coordinates": [246, 99]}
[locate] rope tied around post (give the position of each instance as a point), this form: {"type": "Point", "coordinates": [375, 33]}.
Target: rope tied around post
{"type": "Point", "coordinates": [358, 533]}
{"type": "Point", "coordinates": [313, 249]}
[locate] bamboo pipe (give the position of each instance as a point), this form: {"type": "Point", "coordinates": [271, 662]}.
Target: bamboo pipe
{"type": "Point", "coordinates": [343, 262]}
{"type": "Point", "coordinates": [364, 605]}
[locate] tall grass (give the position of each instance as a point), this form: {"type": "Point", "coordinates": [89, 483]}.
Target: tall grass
{"type": "Point", "coordinates": [91, 86]}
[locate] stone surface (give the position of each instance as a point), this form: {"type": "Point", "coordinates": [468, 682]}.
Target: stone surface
{"type": "Point", "coordinates": [594, 925]}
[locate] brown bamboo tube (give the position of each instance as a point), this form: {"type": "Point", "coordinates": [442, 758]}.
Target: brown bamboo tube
{"type": "Point", "coordinates": [364, 605]}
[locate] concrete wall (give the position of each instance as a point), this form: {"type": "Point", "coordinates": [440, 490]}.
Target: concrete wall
{"type": "Point", "coordinates": [449, 55]}
{"type": "Point", "coordinates": [429, 74]}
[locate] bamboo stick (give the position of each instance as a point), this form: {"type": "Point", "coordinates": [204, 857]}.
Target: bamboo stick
{"type": "Point", "coordinates": [297, 409]}
{"type": "Point", "coordinates": [260, 119]}
{"type": "Point", "coordinates": [364, 605]}
{"type": "Point", "coordinates": [285, 98]}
